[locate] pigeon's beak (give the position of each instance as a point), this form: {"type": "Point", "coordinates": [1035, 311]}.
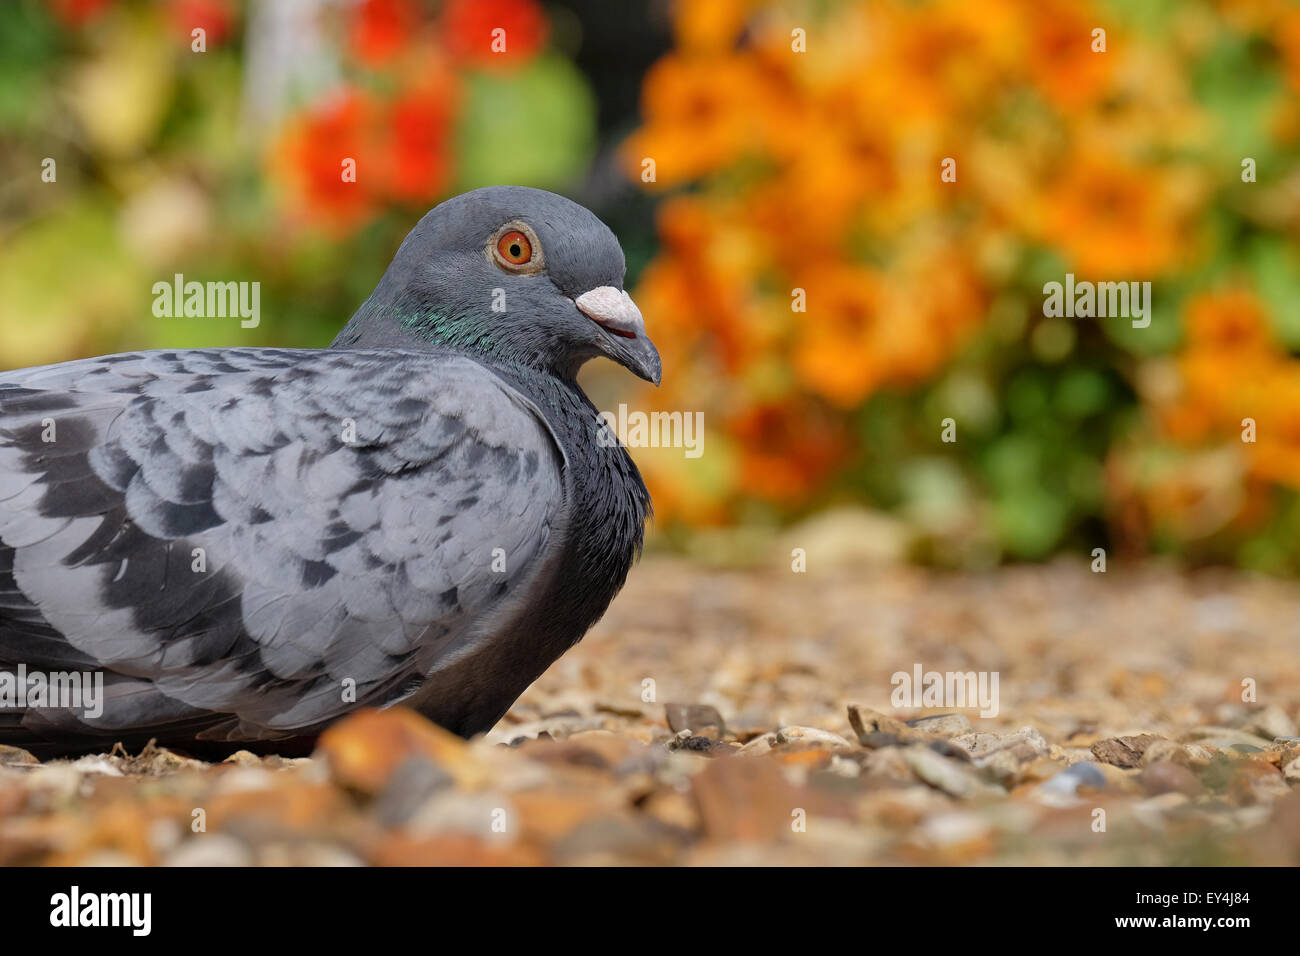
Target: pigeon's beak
{"type": "Point", "coordinates": [626, 342]}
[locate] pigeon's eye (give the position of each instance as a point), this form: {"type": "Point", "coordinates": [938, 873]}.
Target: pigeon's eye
{"type": "Point", "coordinates": [515, 248]}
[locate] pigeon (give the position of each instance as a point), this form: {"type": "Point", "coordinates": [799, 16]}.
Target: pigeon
{"type": "Point", "coordinates": [235, 545]}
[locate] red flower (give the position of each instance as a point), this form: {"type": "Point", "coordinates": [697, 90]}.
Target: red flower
{"type": "Point", "coordinates": [493, 32]}
{"type": "Point", "coordinates": [215, 17]}
{"type": "Point", "coordinates": [316, 151]}
{"type": "Point", "coordinates": [380, 28]}
{"type": "Point", "coordinates": [75, 13]}
{"type": "Point", "coordinates": [401, 149]}
{"type": "Point", "coordinates": [419, 122]}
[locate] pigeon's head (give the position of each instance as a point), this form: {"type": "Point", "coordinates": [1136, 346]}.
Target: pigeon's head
{"type": "Point", "coordinates": [521, 274]}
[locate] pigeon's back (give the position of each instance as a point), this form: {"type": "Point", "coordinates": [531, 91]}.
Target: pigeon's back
{"type": "Point", "coordinates": [243, 544]}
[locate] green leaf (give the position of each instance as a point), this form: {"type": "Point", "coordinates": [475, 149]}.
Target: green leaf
{"type": "Point", "coordinates": [531, 127]}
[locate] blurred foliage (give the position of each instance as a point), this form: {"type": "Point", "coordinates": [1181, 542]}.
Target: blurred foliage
{"type": "Point", "coordinates": [775, 170]}
{"type": "Point", "coordinates": [781, 170]}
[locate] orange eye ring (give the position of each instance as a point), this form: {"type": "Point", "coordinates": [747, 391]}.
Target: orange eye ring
{"type": "Point", "coordinates": [515, 248]}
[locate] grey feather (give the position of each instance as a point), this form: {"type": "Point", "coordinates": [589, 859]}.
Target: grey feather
{"type": "Point", "coordinates": [248, 543]}
{"type": "Point", "coordinates": [322, 557]}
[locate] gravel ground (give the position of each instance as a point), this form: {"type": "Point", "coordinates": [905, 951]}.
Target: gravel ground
{"type": "Point", "coordinates": [746, 716]}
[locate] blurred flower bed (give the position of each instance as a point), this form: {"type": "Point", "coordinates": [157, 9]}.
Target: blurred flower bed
{"type": "Point", "coordinates": [820, 171]}
{"type": "Point", "coordinates": [775, 171]}
{"type": "Point", "coordinates": [226, 163]}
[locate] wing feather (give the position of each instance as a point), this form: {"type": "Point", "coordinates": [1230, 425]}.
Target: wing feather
{"type": "Point", "coordinates": [236, 535]}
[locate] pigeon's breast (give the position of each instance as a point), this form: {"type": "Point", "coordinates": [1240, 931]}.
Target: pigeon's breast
{"type": "Point", "coordinates": [595, 538]}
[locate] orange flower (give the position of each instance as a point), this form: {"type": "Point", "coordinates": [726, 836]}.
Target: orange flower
{"type": "Point", "coordinates": [1234, 371]}
{"type": "Point", "coordinates": [786, 447]}
{"type": "Point", "coordinates": [1228, 322]}
{"type": "Point", "coordinates": [948, 56]}
{"type": "Point", "coordinates": [934, 303]}
{"type": "Point", "coordinates": [701, 292]}
{"type": "Point", "coordinates": [835, 354]}
{"type": "Point", "coordinates": [1261, 15]}
{"type": "Point", "coordinates": [821, 171]}
{"type": "Point", "coordinates": [701, 114]}
{"type": "Point", "coordinates": [1288, 41]}
{"type": "Point", "coordinates": [1061, 61]}
{"type": "Point", "coordinates": [812, 205]}
{"type": "Point", "coordinates": [1111, 217]}
{"type": "Point", "coordinates": [709, 26]}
